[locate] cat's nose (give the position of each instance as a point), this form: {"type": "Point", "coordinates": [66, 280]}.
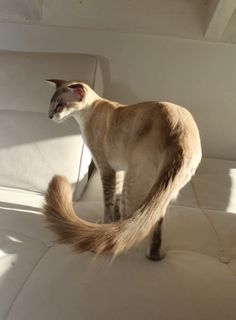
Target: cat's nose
{"type": "Point", "coordinates": [50, 116]}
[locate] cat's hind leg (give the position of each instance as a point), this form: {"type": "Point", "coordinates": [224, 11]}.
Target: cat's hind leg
{"type": "Point", "coordinates": [138, 182]}
{"type": "Point", "coordinates": [156, 252]}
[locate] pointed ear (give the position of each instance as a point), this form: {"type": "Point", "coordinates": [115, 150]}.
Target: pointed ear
{"type": "Point", "coordinates": [78, 89]}
{"type": "Point", "coordinates": [57, 82]}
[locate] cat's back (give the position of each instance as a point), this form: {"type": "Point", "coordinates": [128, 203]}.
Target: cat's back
{"type": "Point", "coordinates": [150, 128]}
{"type": "Point", "coordinates": [149, 114]}
{"type": "Point", "coordinates": [156, 119]}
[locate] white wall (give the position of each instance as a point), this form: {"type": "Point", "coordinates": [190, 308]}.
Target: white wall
{"type": "Point", "coordinates": [198, 75]}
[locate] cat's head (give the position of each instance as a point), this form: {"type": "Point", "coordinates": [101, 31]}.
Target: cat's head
{"type": "Point", "coordinates": [70, 96]}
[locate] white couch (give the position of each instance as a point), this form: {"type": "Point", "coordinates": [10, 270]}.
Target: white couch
{"type": "Point", "coordinates": [41, 280]}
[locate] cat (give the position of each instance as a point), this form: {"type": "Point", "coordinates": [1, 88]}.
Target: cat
{"type": "Point", "coordinates": [156, 144]}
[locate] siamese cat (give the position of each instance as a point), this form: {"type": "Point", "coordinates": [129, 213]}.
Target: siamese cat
{"type": "Point", "coordinates": [156, 145]}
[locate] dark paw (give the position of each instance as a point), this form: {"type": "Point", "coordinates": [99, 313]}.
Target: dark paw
{"type": "Point", "coordinates": [155, 256]}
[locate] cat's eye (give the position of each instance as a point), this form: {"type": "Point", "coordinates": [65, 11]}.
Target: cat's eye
{"type": "Point", "coordinates": [59, 107]}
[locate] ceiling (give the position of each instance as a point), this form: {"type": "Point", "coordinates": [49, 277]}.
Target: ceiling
{"type": "Point", "coordinates": [210, 20]}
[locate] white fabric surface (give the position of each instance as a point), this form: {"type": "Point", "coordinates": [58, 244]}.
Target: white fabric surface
{"type": "Point", "coordinates": [33, 149]}
{"type": "Point", "coordinates": [196, 280]}
{"type": "Point", "coordinates": [23, 75]}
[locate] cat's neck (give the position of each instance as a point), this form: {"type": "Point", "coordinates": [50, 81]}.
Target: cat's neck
{"type": "Point", "coordinates": [81, 116]}
{"type": "Point", "coordinates": [90, 97]}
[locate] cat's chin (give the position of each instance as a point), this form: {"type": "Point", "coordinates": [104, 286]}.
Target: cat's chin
{"type": "Point", "coordinates": [58, 120]}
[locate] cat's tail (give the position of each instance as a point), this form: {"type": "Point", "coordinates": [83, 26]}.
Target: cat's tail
{"type": "Point", "coordinates": [118, 236]}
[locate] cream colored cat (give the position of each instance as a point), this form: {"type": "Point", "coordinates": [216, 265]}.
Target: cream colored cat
{"type": "Point", "coordinates": [156, 144]}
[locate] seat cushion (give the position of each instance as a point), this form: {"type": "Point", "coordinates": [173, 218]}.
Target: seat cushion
{"type": "Point", "coordinates": [196, 280]}
{"type": "Point", "coordinates": [186, 285]}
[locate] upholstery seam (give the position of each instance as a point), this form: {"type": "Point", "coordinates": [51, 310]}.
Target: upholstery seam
{"type": "Point", "coordinates": [24, 283]}
{"type": "Point", "coordinates": [212, 256]}
{"type": "Point", "coordinates": [221, 248]}
{"type": "Point", "coordinates": [80, 168]}
{"type": "Point", "coordinates": [76, 191]}
{"type": "Point", "coordinates": [231, 269]}
{"type": "Point", "coordinates": [95, 72]}
{"type": "Point", "coordinates": [205, 255]}
{"type": "Point", "coordinates": [31, 238]}
{"type": "Point", "coordinates": [191, 207]}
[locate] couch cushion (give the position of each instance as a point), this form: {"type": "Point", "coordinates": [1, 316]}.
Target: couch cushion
{"type": "Point", "coordinates": [23, 241]}
{"type": "Point", "coordinates": [215, 185]}
{"type": "Point", "coordinates": [34, 148]}
{"type": "Point", "coordinates": [195, 281]}
{"type": "Point", "coordinates": [184, 286]}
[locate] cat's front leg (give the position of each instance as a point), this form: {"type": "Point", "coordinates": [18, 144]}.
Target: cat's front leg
{"type": "Point", "coordinates": [117, 208]}
{"type": "Point", "coordinates": [118, 194]}
{"type": "Point", "coordinates": [108, 177]}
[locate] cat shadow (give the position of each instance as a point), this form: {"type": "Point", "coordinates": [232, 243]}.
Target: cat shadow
{"type": "Point", "coordinates": [32, 127]}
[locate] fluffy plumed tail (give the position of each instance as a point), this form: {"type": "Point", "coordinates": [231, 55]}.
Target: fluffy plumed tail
{"type": "Point", "coordinates": [115, 237]}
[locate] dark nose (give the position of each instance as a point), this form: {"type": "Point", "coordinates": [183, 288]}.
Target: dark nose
{"type": "Point", "coordinates": [50, 116]}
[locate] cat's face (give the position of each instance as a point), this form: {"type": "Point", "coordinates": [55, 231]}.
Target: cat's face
{"type": "Point", "coordinates": [67, 98]}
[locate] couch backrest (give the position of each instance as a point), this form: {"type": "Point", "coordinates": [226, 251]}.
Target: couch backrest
{"type": "Point", "coordinates": [32, 147]}
{"type": "Point", "coordinates": [22, 77]}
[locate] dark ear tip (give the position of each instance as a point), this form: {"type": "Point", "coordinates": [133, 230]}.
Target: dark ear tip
{"type": "Point", "coordinates": [76, 86]}
{"type": "Point", "coordinates": [50, 80]}
{"type": "Point", "coordinates": [56, 82]}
